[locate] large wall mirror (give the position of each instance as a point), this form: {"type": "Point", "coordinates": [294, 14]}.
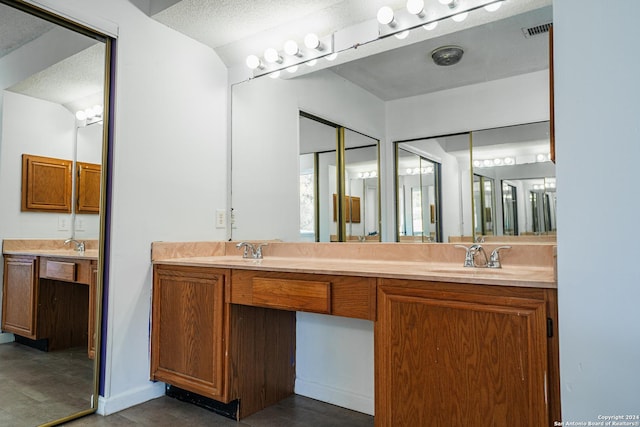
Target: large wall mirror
{"type": "Point", "coordinates": [426, 117]}
{"type": "Point", "coordinates": [51, 69]}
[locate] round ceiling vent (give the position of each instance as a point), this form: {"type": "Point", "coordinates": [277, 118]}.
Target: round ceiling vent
{"type": "Point", "coordinates": [447, 55]}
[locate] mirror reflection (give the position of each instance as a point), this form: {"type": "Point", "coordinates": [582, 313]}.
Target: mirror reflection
{"type": "Point", "coordinates": [422, 113]}
{"type": "Point", "coordinates": [47, 359]}
{"type": "Point", "coordinates": [514, 182]}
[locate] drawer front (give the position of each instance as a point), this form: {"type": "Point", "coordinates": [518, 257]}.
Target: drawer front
{"type": "Point", "coordinates": [347, 296]}
{"type": "Point", "coordinates": [60, 270]}
{"type": "Point", "coordinates": [66, 270]}
{"type": "Point", "coordinates": [295, 295]}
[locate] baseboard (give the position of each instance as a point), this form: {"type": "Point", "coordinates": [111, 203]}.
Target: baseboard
{"type": "Point", "coordinates": [334, 396]}
{"type": "Point", "coordinates": [6, 337]}
{"type": "Point", "coordinates": [117, 403]}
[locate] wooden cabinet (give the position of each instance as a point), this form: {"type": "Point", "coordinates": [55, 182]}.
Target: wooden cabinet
{"type": "Point", "coordinates": [452, 354]}
{"type": "Point", "coordinates": [46, 184]}
{"type": "Point", "coordinates": [445, 353]}
{"type": "Point", "coordinates": [88, 187]}
{"type": "Point", "coordinates": [20, 295]}
{"type": "Point", "coordinates": [190, 330]}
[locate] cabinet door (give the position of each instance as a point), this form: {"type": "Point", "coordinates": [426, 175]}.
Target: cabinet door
{"type": "Point", "coordinates": [20, 294]}
{"type": "Point", "coordinates": [456, 358]}
{"type": "Point", "coordinates": [190, 328]}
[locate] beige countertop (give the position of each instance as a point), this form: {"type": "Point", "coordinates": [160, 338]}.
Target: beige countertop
{"type": "Point", "coordinates": [438, 267]}
{"type": "Point", "coordinates": [48, 248]}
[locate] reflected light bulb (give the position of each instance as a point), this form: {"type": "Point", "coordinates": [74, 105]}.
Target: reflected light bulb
{"type": "Point", "coordinates": [373, 174]}
{"type": "Point", "coordinates": [430, 26]}
{"type": "Point", "coordinates": [98, 109]}
{"type": "Point", "coordinates": [402, 35]}
{"type": "Point", "coordinates": [460, 16]}
{"type": "Point", "coordinates": [275, 74]}
{"type": "Point", "coordinates": [81, 115]}
{"type": "Point", "coordinates": [90, 113]}
{"type": "Point", "coordinates": [446, 2]}
{"type": "Point", "coordinates": [385, 16]}
{"type": "Point", "coordinates": [415, 7]}
{"type": "Point", "coordinates": [332, 57]}
{"type": "Point", "coordinates": [312, 62]}
{"type": "Point", "coordinates": [493, 6]}
{"type": "Point", "coordinates": [292, 69]}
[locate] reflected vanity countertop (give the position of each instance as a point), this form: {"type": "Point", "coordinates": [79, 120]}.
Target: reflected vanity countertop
{"type": "Point", "coordinates": [49, 248]}
{"type": "Point", "coordinates": [435, 268]}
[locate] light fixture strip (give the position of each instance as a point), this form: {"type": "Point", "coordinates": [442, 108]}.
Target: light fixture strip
{"type": "Point", "coordinates": [304, 54]}
{"type": "Point", "coordinates": [405, 21]}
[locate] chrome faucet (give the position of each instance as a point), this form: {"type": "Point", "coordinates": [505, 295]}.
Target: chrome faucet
{"type": "Point", "coordinates": [79, 245]}
{"type": "Point", "coordinates": [494, 259]}
{"type": "Point", "coordinates": [251, 251]}
{"type": "Point", "coordinates": [470, 255]}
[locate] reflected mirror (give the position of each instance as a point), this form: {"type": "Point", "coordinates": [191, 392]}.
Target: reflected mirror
{"type": "Point", "coordinates": [49, 71]}
{"type": "Point", "coordinates": [393, 93]}
{"type": "Point", "coordinates": [514, 190]}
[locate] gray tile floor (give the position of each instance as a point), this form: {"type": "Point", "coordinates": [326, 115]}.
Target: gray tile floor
{"type": "Point", "coordinates": [295, 411]}
{"type": "Point", "coordinates": [37, 386]}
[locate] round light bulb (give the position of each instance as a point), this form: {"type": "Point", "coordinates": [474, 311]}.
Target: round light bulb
{"type": "Point", "coordinates": [90, 113]}
{"type": "Point", "coordinates": [292, 69]}
{"type": "Point", "coordinates": [460, 16]}
{"type": "Point", "coordinates": [81, 115]}
{"type": "Point", "coordinates": [430, 26]}
{"type": "Point", "coordinates": [253, 62]}
{"type": "Point", "coordinates": [332, 57]}
{"type": "Point", "coordinates": [488, 163]}
{"type": "Point", "coordinates": [493, 6]}
{"type": "Point", "coordinates": [402, 35]}
{"type": "Point", "coordinates": [312, 62]}
{"type": "Point", "coordinates": [373, 174]}
{"type": "Point", "coordinates": [509, 160]}
{"type": "Point", "coordinates": [497, 161]}
{"type": "Point", "coordinates": [409, 171]}
{"type": "Point", "coordinates": [98, 109]}
{"type": "Point", "coordinates": [271, 55]}
{"type": "Point", "coordinates": [415, 7]}
{"type": "Point", "coordinates": [291, 48]}
{"type": "Point", "coordinates": [540, 157]}
{"type": "Point", "coordinates": [477, 163]}
{"type": "Point", "coordinates": [385, 15]}
{"type": "Point", "coordinates": [311, 41]}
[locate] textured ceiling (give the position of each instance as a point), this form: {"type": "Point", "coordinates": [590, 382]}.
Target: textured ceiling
{"type": "Point", "coordinates": [17, 28]}
{"type": "Point", "coordinates": [235, 28]}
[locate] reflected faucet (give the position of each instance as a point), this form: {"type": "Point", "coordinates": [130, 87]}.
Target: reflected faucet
{"type": "Point", "coordinates": [79, 245]}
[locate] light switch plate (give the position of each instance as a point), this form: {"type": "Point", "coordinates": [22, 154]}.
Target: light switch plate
{"type": "Point", "coordinates": [63, 223]}
{"type": "Point", "coordinates": [221, 218]}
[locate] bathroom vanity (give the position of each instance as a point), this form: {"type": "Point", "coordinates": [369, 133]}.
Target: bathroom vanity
{"type": "Point", "coordinates": [49, 293]}
{"type": "Point", "coordinates": [453, 345]}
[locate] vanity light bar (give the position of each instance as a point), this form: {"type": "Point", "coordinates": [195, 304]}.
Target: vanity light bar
{"type": "Point", "coordinates": [291, 56]}
{"type": "Point", "coordinates": [417, 15]}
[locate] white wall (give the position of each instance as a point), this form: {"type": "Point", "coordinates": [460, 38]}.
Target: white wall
{"type": "Point", "coordinates": [597, 111]}
{"type": "Point", "coordinates": [169, 174]}
{"type": "Point", "coordinates": [265, 133]}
